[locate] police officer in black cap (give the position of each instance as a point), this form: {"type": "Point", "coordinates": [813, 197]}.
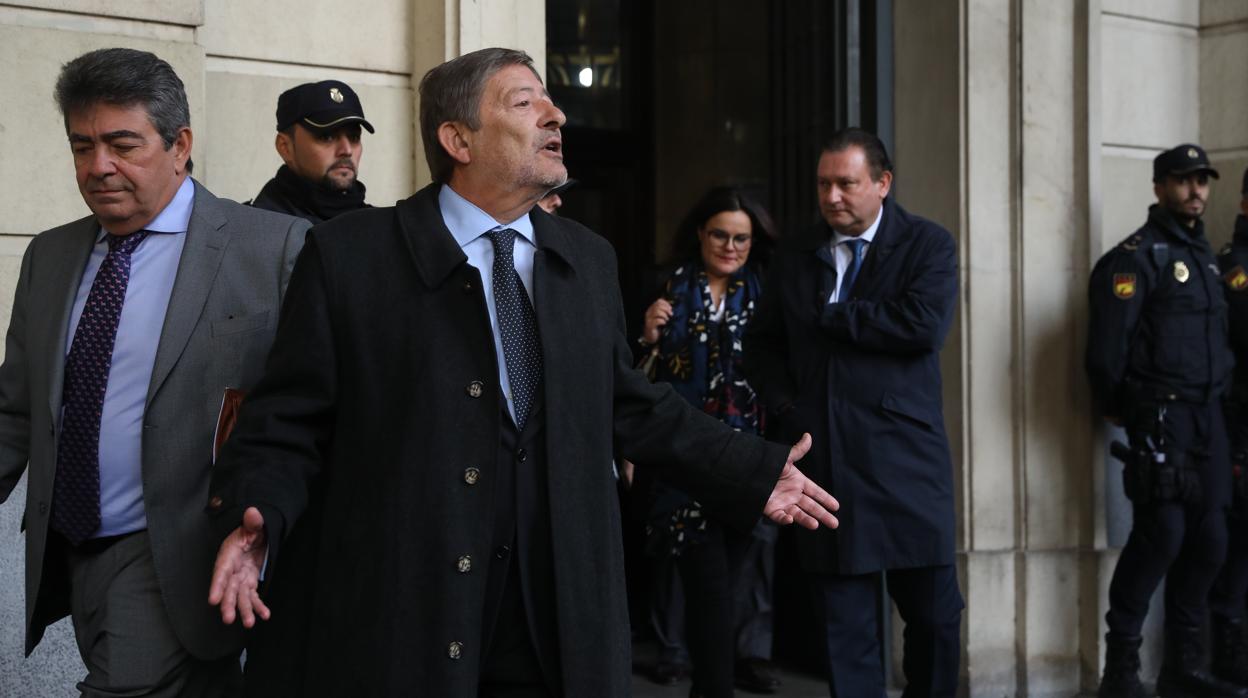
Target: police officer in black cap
{"type": "Point", "coordinates": [1227, 603]}
{"type": "Point", "coordinates": [1159, 362]}
{"type": "Point", "coordinates": [318, 137]}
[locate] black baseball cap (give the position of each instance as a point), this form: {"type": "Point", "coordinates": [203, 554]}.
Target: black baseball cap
{"type": "Point", "coordinates": [1182, 160]}
{"type": "Point", "coordinates": [320, 106]}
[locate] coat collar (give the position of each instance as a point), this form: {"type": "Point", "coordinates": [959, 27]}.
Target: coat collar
{"type": "Point", "coordinates": [434, 251]}
{"type": "Point", "coordinates": [816, 238]}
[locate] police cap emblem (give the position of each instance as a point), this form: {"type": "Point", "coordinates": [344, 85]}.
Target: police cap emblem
{"type": "Point", "coordinates": [336, 95]}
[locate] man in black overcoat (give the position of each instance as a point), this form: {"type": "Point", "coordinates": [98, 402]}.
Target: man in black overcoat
{"type": "Point", "coordinates": [427, 463]}
{"type": "Point", "coordinates": [846, 346]}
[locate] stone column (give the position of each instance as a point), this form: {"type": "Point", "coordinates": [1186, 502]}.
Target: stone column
{"type": "Point", "coordinates": [992, 141]}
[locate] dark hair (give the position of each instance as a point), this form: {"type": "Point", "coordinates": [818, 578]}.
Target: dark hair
{"type": "Point", "coordinates": [687, 246]}
{"type": "Point", "coordinates": [452, 92]}
{"type": "Point", "coordinates": [126, 77]}
{"type": "Point", "coordinates": [872, 148]}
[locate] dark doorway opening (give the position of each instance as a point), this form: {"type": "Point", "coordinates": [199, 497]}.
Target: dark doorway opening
{"type": "Point", "coordinates": [664, 101]}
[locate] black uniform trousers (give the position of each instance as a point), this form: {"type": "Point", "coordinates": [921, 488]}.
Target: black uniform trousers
{"type": "Point", "coordinates": [849, 606]}
{"type": "Point", "coordinates": [522, 655]}
{"type": "Point", "coordinates": [1229, 598]}
{"type": "Point", "coordinates": [1185, 542]}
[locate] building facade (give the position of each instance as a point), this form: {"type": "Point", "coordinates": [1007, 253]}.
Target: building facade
{"type": "Point", "coordinates": [1027, 127]}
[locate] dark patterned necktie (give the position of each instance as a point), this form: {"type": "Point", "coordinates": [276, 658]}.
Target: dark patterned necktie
{"type": "Point", "coordinates": [76, 490]}
{"type": "Point", "coordinates": [856, 248]}
{"type": "Point", "coordinates": [522, 344]}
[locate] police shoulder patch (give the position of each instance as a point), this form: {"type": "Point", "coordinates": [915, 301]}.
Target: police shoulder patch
{"type": "Point", "coordinates": [1124, 286]}
{"type": "Point", "coordinates": [1237, 278]}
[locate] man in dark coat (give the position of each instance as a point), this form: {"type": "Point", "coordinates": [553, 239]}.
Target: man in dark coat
{"type": "Point", "coordinates": [431, 447]}
{"type": "Point", "coordinates": [845, 346]}
{"type": "Point", "coordinates": [318, 138]}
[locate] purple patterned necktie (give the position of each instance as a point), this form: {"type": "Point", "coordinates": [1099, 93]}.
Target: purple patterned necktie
{"type": "Point", "coordinates": [517, 323]}
{"type": "Point", "coordinates": [76, 490]}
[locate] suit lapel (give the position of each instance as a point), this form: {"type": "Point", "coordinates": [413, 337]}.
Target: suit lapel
{"type": "Point", "coordinates": [65, 277]}
{"type": "Point", "coordinates": [206, 239]}
{"type": "Point", "coordinates": [558, 302]}
{"type": "Point", "coordinates": [886, 239]}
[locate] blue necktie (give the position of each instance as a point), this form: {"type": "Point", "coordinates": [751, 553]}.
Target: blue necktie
{"type": "Point", "coordinates": [858, 248]}
{"type": "Point", "coordinates": [517, 323]}
{"type": "Point", "coordinates": [76, 489]}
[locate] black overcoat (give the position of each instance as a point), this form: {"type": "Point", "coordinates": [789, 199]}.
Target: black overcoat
{"type": "Point", "coordinates": [863, 377]}
{"type": "Point", "coordinates": [381, 393]}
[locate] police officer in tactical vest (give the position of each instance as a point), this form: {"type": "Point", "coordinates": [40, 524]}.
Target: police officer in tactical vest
{"type": "Point", "coordinates": [1159, 362]}
{"type": "Point", "coordinates": [1227, 603]}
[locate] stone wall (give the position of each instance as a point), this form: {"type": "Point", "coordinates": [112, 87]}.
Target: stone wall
{"type": "Point", "coordinates": [1029, 127]}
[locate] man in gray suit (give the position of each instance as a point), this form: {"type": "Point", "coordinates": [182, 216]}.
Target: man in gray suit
{"type": "Point", "coordinates": [127, 327]}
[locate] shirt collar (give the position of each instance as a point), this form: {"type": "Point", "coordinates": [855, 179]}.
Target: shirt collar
{"type": "Point", "coordinates": [175, 217]}
{"type": "Point", "coordinates": [867, 236]}
{"type": "Point", "coordinates": [467, 222]}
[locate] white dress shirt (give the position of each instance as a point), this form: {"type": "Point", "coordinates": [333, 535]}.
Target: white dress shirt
{"type": "Point", "coordinates": [468, 224]}
{"type": "Point", "coordinates": [844, 255]}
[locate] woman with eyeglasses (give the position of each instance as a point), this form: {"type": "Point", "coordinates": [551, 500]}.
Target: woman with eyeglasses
{"type": "Point", "coordinates": [692, 335]}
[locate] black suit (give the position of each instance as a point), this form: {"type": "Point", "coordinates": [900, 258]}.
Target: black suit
{"type": "Point", "coordinates": [863, 377]}
{"type": "Point", "coordinates": [380, 408]}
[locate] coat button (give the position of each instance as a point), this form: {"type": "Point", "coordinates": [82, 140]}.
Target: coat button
{"type": "Point", "coordinates": [471, 475]}
{"type": "Point", "coordinates": [475, 389]}
{"type": "Point", "coordinates": [522, 455]}
{"type": "Point", "coordinates": [467, 287]}
{"type": "Point", "coordinates": [215, 503]}
{"type": "Point", "coordinates": [464, 564]}
{"type": "Point", "coordinates": [455, 650]}
{"type": "Point", "coordinates": [502, 551]}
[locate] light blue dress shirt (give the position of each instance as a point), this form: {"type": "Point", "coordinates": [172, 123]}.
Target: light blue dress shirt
{"type": "Point", "coordinates": [153, 266]}
{"type": "Point", "coordinates": [844, 255]}
{"type": "Point", "coordinates": [469, 225]}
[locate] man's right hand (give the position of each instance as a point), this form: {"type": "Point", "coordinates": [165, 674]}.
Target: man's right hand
{"type": "Point", "coordinates": [236, 576]}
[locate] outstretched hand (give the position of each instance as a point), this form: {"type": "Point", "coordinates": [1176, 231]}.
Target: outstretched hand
{"type": "Point", "coordinates": [236, 575]}
{"type": "Point", "coordinates": [797, 499]}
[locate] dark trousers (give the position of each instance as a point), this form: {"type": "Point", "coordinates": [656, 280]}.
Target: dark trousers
{"type": "Point", "coordinates": [510, 667]}
{"type": "Point", "coordinates": [754, 572]}
{"type": "Point", "coordinates": [931, 606]}
{"type": "Point", "coordinates": [123, 631]}
{"type": "Point", "coordinates": [1230, 593]}
{"type": "Point", "coordinates": [1182, 542]}
{"type": "Point", "coordinates": [705, 571]}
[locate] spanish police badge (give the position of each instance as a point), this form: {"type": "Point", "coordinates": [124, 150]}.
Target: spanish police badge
{"type": "Point", "coordinates": [1181, 272]}
{"type": "Point", "coordinates": [1237, 278]}
{"type": "Point", "coordinates": [1124, 285]}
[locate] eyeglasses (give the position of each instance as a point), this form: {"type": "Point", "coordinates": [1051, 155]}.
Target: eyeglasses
{"type": "Point", "coordinates": [723, 239]}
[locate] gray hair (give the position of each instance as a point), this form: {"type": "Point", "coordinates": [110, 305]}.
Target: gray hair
{"type": "Point", "coordinates": [452, 92]}
{"type": "Point", "coordinates": [126, 77]}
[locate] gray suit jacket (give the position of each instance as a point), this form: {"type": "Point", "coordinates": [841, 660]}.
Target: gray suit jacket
{"type": "Point", "coordinates": [222, 315]}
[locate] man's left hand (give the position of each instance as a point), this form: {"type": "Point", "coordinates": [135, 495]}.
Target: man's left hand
{"type": "Point", "coordinates": [797, 499]}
